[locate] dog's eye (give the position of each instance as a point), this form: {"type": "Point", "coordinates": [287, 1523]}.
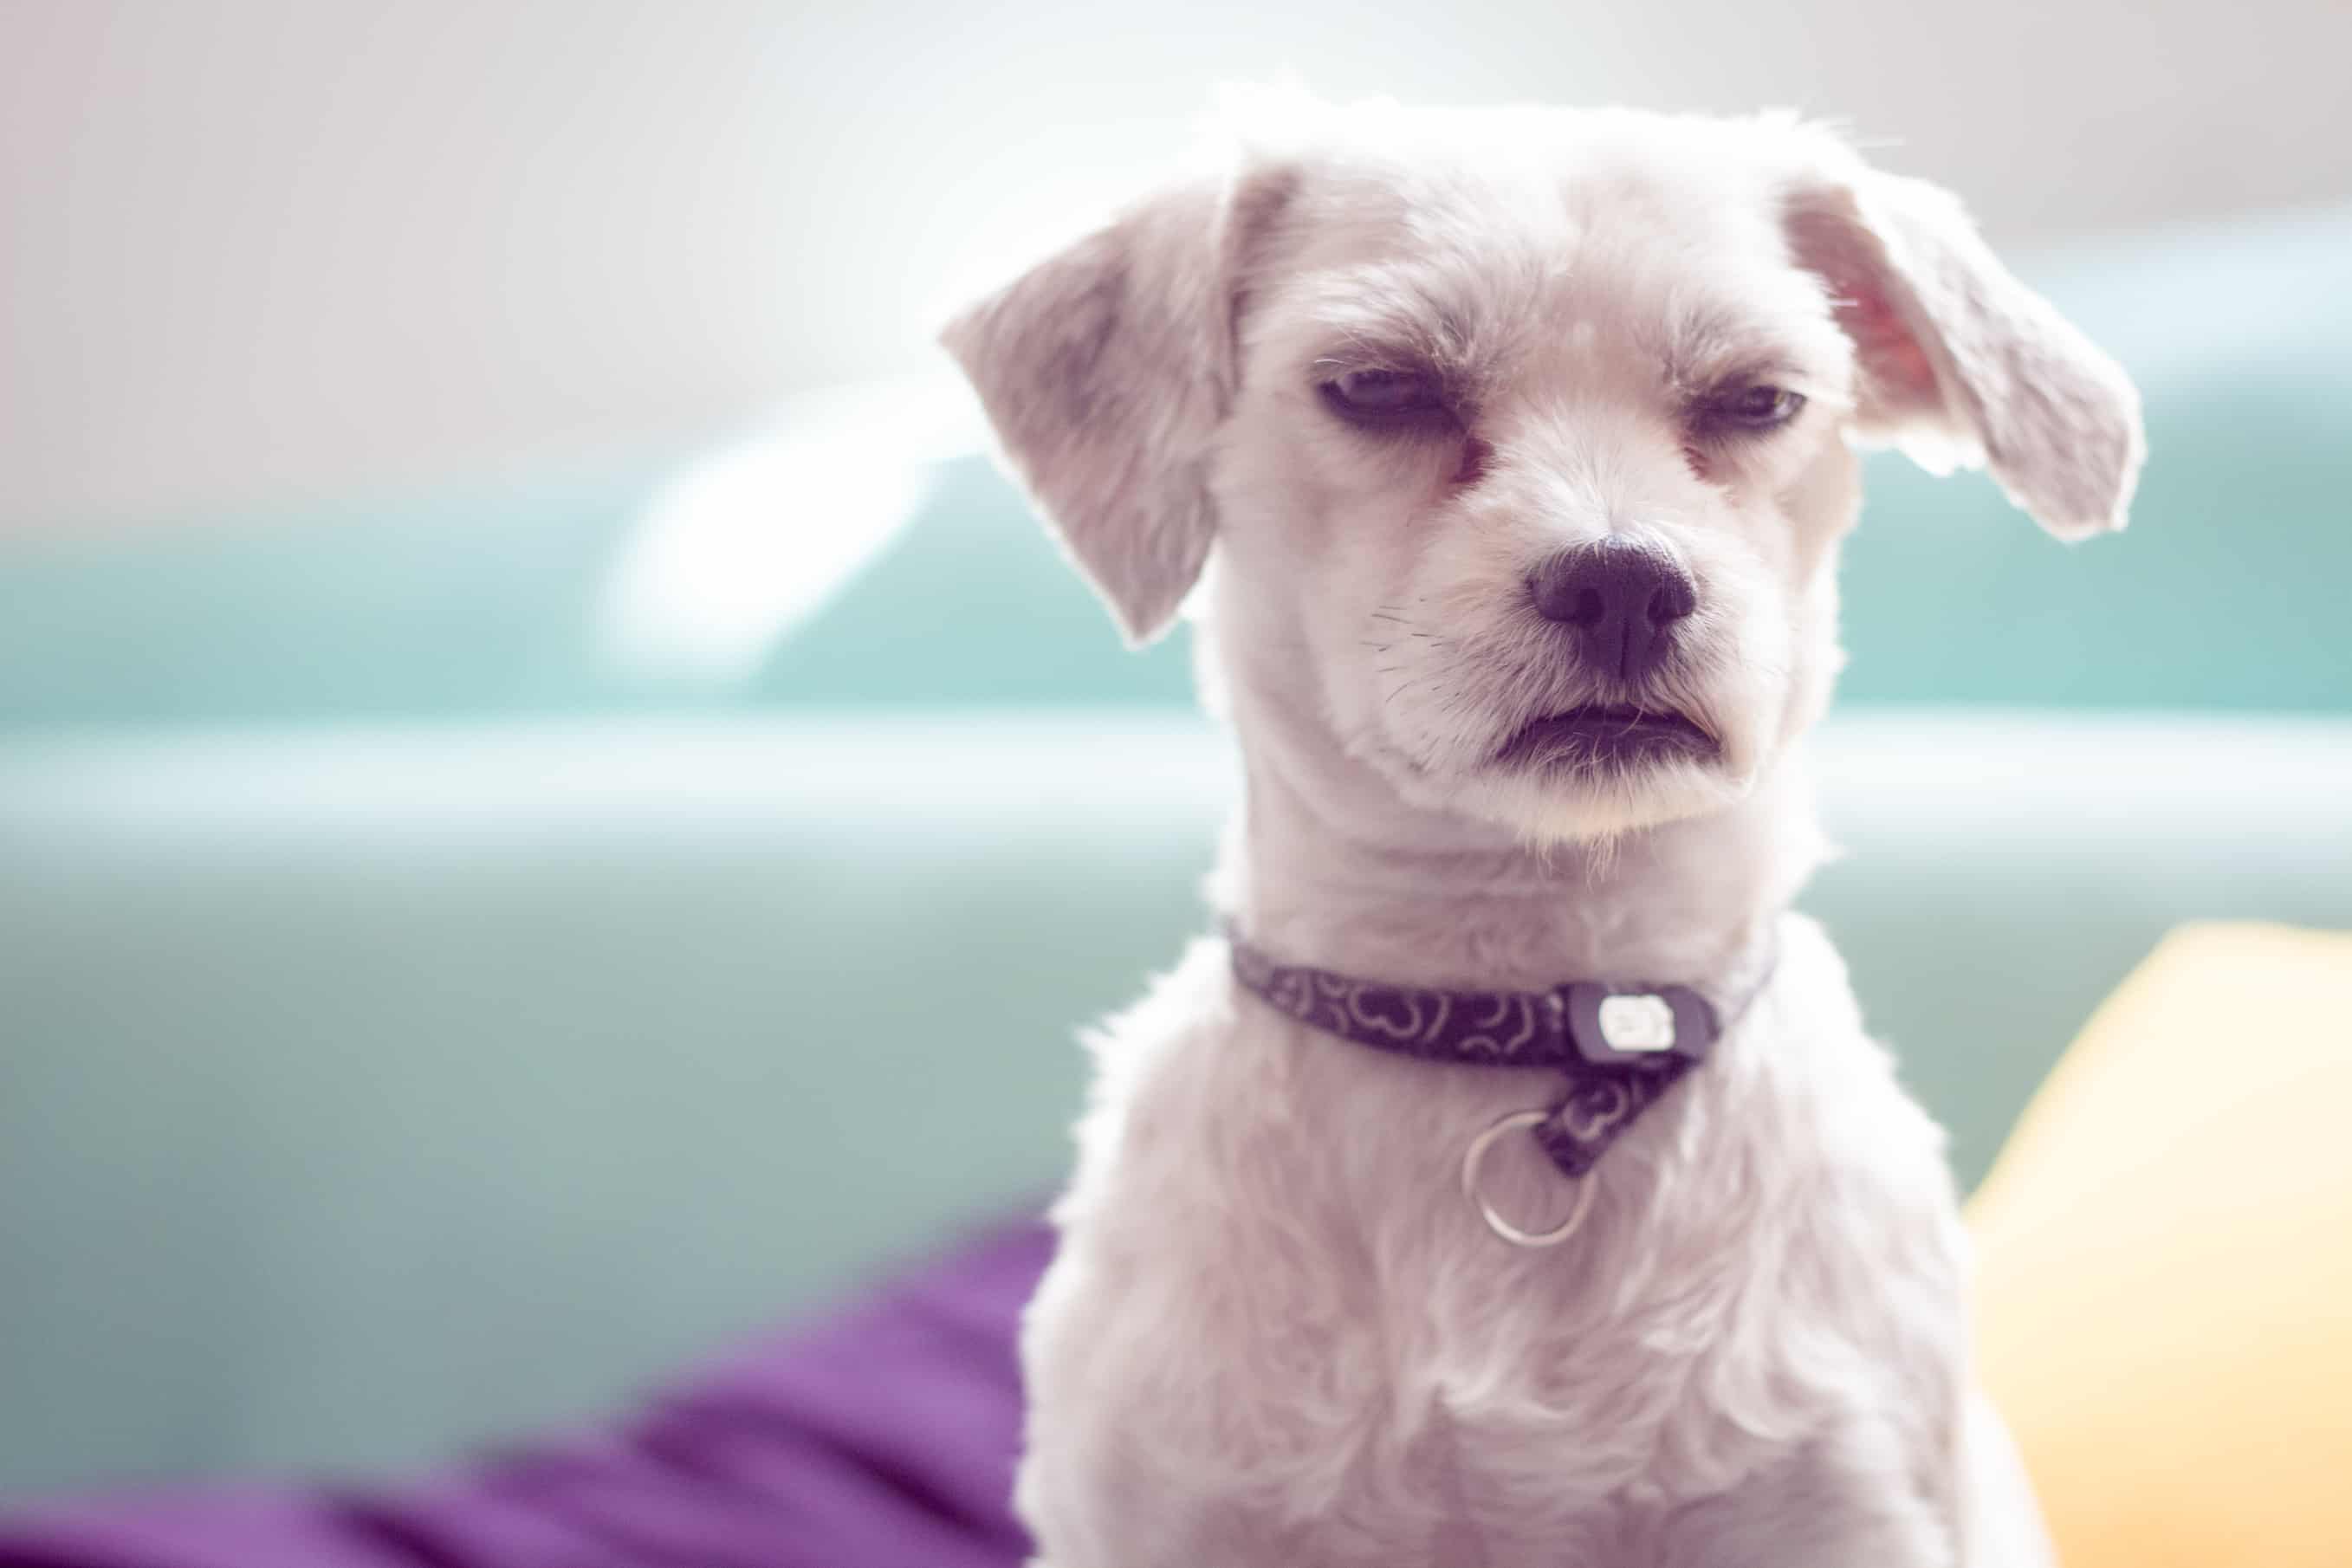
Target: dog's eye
{"type": "Point", "coordinates": [1758, 408]}
{"type": "Point", "coordinates": [1384, 393]}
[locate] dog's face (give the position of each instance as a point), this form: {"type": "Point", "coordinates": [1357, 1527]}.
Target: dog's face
{"type": "Point", "coordinates": [1522, 437]}
{"type": "Point", "coordinates": [1542, 461]}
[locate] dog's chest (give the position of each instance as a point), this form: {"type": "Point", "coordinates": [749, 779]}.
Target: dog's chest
{"type": "Point", "coordinates": [1429, 1373]}
{"type": "Point", "coordinates": [1275, 1307]}
{"type": "Point", "coordinates": [1277, 1404]}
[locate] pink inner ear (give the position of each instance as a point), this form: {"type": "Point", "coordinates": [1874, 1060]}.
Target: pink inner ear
{"type": "Point", "coordinates": [1898, 368]}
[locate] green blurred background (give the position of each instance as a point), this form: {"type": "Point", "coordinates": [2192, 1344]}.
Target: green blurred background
{"type": "Point", "coordinates": [468, 945]}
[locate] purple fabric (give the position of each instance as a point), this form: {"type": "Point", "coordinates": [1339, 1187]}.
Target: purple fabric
{"type": "Point", "coordinates": [884, 1438]}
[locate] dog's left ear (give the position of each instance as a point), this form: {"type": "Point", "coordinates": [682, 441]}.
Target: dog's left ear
{"type": "Point", "coordinates": [1105, 370]}
{"type": "Point", "coordinates": [1957, 360]}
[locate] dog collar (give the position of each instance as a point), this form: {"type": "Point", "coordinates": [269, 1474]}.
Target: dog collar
{"type": "Point", "coordinates": [1621, 1048]}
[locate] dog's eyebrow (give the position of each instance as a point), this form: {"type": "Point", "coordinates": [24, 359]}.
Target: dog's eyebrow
{"type": "Point", "coordinates": [1742, 371]}
{"type": "Point", "coordinates": [1386, 346]}
{"type": "Point", "coordinates": [1374, 353]}
{"type": "Point", "coordinates": [1382, 324]}
{"type": "Point", "coordinates": [1705, 346]}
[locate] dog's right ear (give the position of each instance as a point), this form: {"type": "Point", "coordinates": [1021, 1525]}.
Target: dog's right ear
{"type": "Point", "coordinates": [1105, 370]}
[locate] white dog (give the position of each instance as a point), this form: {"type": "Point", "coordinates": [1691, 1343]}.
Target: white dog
{"type": "Point", "coordinates": [1518, 445]}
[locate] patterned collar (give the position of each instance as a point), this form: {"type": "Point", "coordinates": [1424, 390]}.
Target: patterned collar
{"type": "Point", "coordinates": [1619, 1047]}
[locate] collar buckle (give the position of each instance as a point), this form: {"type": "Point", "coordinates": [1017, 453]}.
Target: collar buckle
{"type": "Point", "coordinates": [1644, 1029]}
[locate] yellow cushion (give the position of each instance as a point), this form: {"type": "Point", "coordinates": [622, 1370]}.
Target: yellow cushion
{"type": "Point", "coordinates": [2165, 1262]}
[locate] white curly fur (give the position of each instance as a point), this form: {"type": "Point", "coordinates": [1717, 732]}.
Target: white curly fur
{"type": "Point", "coordinates": [1275, 1336]}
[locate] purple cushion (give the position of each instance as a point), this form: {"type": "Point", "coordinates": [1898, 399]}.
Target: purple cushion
{"type": "Point", "coordinates": [883, 1438]}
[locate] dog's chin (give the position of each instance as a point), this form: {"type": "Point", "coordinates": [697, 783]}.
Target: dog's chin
{"type": "Point", "coordinates": [1590, 773]}
{"type": "Point", "coordinates": [1557, 806]}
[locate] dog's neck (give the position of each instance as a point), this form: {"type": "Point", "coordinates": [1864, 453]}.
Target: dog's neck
{"type": "Point", "coordinates": [1326, 866]}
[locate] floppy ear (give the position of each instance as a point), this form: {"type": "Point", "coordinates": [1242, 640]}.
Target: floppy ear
{"type": "Point", "coordinates": [1105, 370]}
{"type": "Point", "coordinates": [1957, 360]}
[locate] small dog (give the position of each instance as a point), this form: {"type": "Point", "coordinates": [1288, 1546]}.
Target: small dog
{"type": "Point", "coordinates": [1516, 447]}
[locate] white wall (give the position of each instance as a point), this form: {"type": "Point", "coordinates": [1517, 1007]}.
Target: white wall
{"type": "Point", "coordinates": [254, 251]}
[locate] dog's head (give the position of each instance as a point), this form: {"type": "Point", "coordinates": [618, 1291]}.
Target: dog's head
{"type": "Point", "coordinates": [1522, 438]}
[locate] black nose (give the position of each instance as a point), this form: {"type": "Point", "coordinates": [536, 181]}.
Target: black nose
{"type": "Point", "coordinates": [1623, 598]}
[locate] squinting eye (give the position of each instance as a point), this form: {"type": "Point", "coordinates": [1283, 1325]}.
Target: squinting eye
{"type": "Point", "coordinates": [1384, 393]}
{"type": "Point", "coordinates": [1757, 408]}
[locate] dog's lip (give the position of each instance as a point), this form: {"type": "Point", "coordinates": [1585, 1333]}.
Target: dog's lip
{"type": "Point", "coordinates": [1608, 732]}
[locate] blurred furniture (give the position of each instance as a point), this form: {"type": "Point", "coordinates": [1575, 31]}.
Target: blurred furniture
{"type": "Point", "coordinates": [419, 1021]}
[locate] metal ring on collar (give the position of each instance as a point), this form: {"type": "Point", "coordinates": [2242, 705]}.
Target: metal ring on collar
{"type": "Point", "coordinates": [1474, 1158]}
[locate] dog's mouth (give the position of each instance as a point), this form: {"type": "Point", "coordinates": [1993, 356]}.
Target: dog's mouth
{"type": "Point", "coordinates": [1607, 735]}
